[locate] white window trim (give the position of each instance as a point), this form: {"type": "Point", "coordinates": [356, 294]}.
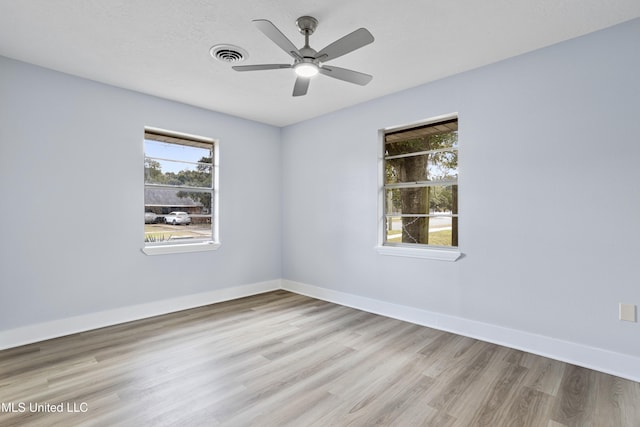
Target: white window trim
{"type": "Point", "coordinates": [439, 254]}
{"type": "Point", "coordinates": [200, 246]}
{"type": "Point", "coordinates": [426, 252]}
{"type": "Point", "coordinates": [183, 248]}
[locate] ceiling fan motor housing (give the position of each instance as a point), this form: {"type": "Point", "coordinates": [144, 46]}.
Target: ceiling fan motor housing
{"type": "Point", "coordinates": [307, 25]}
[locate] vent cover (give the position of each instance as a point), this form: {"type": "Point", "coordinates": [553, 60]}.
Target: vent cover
{"type": "Point", "coordinates": [228, 53]}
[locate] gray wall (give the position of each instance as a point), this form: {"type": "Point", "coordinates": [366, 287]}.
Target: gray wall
{"type": "Point", "coordinates": [549, 194]}
{"type": "Point", "coordinates": [71, 169]}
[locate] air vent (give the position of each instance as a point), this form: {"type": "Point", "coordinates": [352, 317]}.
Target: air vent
{"type": "Point", "coordinates": [228, 53]}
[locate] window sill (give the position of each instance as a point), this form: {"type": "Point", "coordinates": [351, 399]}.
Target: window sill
{"type": "Point", "coordinates": [177, 249]}
{"type": "Point", "coordinates": [426, 253]}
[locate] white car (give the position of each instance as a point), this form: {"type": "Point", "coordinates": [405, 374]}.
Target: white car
{"type": "Point", "coordinates": [176, 218]}
{"type": "Point", "coordinates": [150, 218]}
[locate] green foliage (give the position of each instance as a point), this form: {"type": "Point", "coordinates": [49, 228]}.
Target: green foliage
{"type": "Point", "coordinates": [432, 167]}
{"type": "Point", "coordinates": [152, 170]}
{"type": "Point", "coordinates": [397, 170]}
{"type": "Point", "coordinates": [441, 199]}
{"type": "Point", "coordinates": [156, 238]}
{"type": "Point", "coordinates": [199, 178]}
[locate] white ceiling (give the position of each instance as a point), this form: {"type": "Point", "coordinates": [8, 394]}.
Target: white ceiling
{"type": "Point", "coordinates": [161, 47]}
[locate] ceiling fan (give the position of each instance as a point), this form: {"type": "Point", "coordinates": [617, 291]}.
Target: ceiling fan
{"type": "Point", "coordinates": [307, 62]}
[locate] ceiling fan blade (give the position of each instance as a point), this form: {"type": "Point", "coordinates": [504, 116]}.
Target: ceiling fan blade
{"type": "Point", "coordinates": [271, 31]}
{"type": "Point", "coordinates": [260, 67]}
{"type": "Point", "coordinates": [301, 86]}
{"type": "Point", "coordinates": [346, 75]}
{"type": "Point", "coordinates": [352, 41]}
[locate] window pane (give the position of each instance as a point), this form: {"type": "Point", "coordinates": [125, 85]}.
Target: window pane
{"type": "Point", "coordinates": [443, 165]}
{"type": "Point", "coordinates": [407, 201]}
{"type": "Point", "coordinates": [406, 146]}
{"type": "Point", "coordinates": [425, 167]}
{"type": "Point", "coordinates": [437, 231]}
{"type": "Point", "coordinates": [422, 200]}
{"type": "Point", "coordinates": [182, 214]}
{"type": "Point", "coordinates": [172, 215]}
{"type": "Point", "coordinates": [165, 150]}
{"type": "Point", "coordinates": [411, 142]}
{"type": "Point", "coordinates": [393, 229]}
{"type": "Point", "coordinates": [443, 199]}
{"type": "Point", "coordinates": [174, 164]}
{"type": "Point", "coordinates": [158, 233]}
{"type": "Point", "coordinates": [163, 200]}
{"type": "Point", "coordinates": [423, 161]}
{"type": "Point", "coordinates": [170, 172]}
{"type": "Point", "coordinates": [406, 169]}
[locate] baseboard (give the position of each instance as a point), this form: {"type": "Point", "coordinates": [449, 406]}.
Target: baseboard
{"type": "Point", "coordinates": [618, 364]}
{"type": "Point", "coordinates": [71, 325]}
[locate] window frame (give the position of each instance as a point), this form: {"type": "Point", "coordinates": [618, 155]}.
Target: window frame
{"type": "Point", "coordinates": [414, 250]}
{"type": "Point", "coordinates": [197, 245]}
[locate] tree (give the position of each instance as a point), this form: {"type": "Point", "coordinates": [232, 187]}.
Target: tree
{"type": "Point", "coordinates": [152, 171]}
{"type": "Point", "coordinates": [417, 168]}
{"type": "Point", "coordinates": [201, 177]}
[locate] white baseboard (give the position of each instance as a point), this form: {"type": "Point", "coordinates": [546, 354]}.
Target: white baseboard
{"type": "Point", "coordinates": [618, 364]}
{"type": "Point", "coordinates": [71, 325]}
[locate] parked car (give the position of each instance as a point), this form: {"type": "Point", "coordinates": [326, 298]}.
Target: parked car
{"type": "Point", "coordinates": [176, 218]}
{"type": "Point", "coordinates": [150, 218]}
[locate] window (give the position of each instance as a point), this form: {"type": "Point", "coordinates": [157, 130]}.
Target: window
{"type": "Point", "coordinates": [180, 204]}
{"type": "Point", "coordinates": [420, 186]}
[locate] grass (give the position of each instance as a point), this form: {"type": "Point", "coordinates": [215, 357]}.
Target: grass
{"type": "Point", "coordinates": [162, 232]}
{"type": "Point", "coordinates": [436, 238]}
{"type": "Point", "coordinates": [155, 237]}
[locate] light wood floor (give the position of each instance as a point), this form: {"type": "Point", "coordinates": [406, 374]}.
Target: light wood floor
{"type": "Point", "coordinates": [281, 359]}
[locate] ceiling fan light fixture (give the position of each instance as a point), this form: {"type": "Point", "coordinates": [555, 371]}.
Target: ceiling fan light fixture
{"type": "Point", "coordinates": [306, 69]}
{"type": "Point", "coordinates": [306, 60]}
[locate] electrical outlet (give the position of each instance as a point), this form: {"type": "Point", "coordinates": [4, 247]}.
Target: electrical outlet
{"type": "Point", "coordinates": [628, 312]}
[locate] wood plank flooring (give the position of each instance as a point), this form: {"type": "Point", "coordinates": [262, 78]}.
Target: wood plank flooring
{"type": "Point", "coordinates": [281, 359]}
